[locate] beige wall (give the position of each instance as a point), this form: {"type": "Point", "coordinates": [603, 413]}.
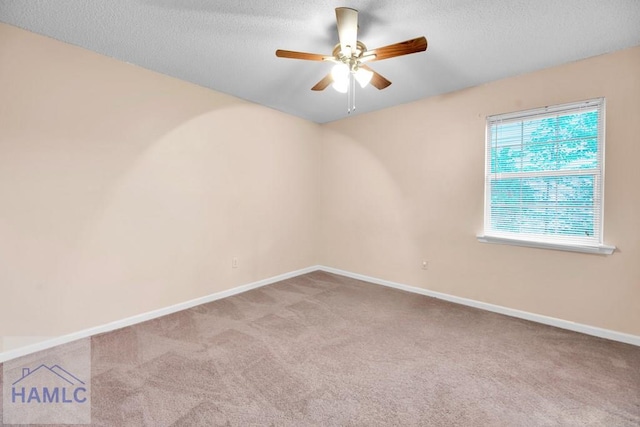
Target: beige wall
{"type": "Point", "coordinates": [124, 191]}
{"type": "Point", "coordinates": [405, 184]}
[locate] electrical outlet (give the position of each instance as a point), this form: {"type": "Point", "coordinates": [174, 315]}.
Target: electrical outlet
{"type": "Point", "coordinates": [425, 265]}
{"type": "Point", "coordinates": [234, 262]}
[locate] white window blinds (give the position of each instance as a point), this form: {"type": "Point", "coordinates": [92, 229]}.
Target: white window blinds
{"type": "Point", "coordinates": [544, 174]}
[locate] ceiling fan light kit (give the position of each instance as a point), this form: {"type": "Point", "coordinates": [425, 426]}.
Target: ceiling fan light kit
{"type": "Point", "coordinates": [350, 56]}
{"type": "Point", "coordinates": [363, 76]}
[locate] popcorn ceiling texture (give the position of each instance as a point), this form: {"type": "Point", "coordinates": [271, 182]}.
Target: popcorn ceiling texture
{"type": "Point", "coordinates": [229, 46]}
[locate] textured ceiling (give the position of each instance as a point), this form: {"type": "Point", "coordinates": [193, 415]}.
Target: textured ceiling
{"type": "Point", "coordinates": [229, 46]}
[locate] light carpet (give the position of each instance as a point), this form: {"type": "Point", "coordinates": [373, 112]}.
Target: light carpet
{"type": "Point", "coordinates": [322, 349]}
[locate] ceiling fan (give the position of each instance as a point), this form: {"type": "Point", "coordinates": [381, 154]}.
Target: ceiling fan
{"type": "Point", "coordinates": [351, 55]}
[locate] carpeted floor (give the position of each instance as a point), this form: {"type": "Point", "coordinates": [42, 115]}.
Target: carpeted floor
{"type": "Point", "coordinates": [326, 350]}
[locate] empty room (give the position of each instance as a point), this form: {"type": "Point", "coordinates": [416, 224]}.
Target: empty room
{"type": "Point", "coordinates": [361, 213]}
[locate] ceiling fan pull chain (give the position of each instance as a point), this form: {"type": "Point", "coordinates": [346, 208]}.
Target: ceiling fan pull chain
{"type": "Point", "coordinates": [353, 85]}
{"type": "Point", "coordinates": [349, 95]}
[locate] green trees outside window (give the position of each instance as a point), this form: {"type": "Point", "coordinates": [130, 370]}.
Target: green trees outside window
{"type": "Point", "coordinates": [544, 174]}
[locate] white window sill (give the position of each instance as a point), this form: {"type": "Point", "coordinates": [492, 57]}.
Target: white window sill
{"type": "Point", "coordinates": [598, 249]}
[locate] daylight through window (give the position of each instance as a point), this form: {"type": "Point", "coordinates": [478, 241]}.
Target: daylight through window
{"type": "Point", "coordinates": [544, 175]}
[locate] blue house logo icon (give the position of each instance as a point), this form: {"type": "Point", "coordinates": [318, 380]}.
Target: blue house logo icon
{"type": "Point", "coordinates": [48, 384]}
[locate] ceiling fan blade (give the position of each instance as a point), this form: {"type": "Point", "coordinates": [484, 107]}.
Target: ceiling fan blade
{"type": "Point", "coordinates": [398, 49]}
{"type": "Point", "coordinates": [347, 20]}
{"type": "Point", "coordinates": [322, 84]}
{"type": "Point", "coordinates": [301, 55]}
{"type": "Point", "coordinates": [377, 80]}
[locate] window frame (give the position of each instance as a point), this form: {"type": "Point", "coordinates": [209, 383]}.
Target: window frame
{"type": "Point", "coordinates": [541, 240]}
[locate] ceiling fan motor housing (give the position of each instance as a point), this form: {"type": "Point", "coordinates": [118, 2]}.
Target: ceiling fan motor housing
{"type": "Point", "coordinates": [352, 61]}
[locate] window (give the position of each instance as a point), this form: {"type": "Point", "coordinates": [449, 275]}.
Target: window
{"type": "Point", "coordinates": [544, 178]}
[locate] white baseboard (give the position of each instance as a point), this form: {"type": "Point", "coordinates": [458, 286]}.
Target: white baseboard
{"type": "Point", "coordinates": [49, 343]}
{"type": "Point", "coordinates": [558, 323]}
